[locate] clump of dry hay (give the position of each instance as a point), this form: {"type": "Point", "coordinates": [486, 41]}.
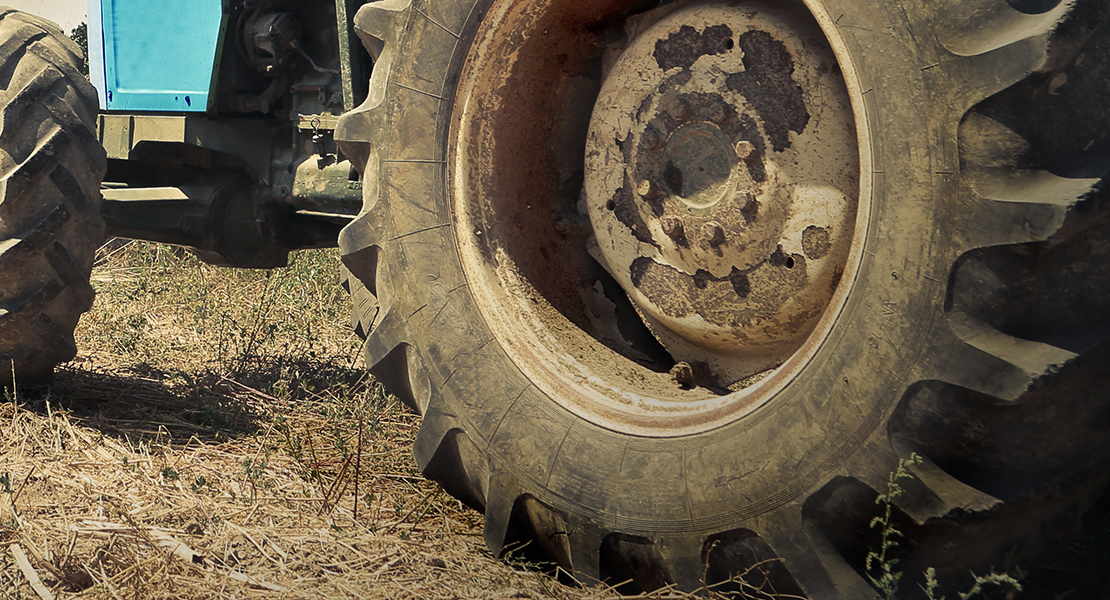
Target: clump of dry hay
{"type": "Point", "coordinates": [109, 518]}
{"type": "Point", "coordinates": [218, 438]}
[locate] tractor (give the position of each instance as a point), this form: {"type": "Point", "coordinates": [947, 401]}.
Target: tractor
{"type": "Point", "coordinates": [676, 286]}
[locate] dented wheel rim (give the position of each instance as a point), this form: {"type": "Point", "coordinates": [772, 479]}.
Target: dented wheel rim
{"type": "Point", "coordinates": [721, 180]}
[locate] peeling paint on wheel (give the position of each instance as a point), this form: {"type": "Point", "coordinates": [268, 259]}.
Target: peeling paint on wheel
{"type": "Point", "coordinates": [718, 200]}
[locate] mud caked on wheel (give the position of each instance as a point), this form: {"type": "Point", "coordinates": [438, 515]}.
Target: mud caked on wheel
{"type": "Point", "coordinates": [51, 166]}
{"type": "Point", "coordinates": [676, 286]}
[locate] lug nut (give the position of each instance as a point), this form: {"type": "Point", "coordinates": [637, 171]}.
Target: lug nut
{"type": "Point", "coordinates": [681, 111]}
{"type": "Point", "coordinates": [672, 226]}
{"type": "Point", "coordinates": [751, 206]}
{"type": "Point", "coordinates": [718, 113]}
{"type": "Point", "coordinates": [651, 139]}
{"type": "Point", "coordinates": [714, 233]}
{"type": "Point", "coordinates": [745, 150]}
{"type": "Point", "coordinates": [646, 189]}
{"type": "Point", "coordinates": [682, 373]}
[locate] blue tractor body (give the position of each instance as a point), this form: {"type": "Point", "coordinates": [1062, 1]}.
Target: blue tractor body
{"type": "Point", "coordinates": [177, 40]}
{"type": "Point", "coordinates": [218, 118]}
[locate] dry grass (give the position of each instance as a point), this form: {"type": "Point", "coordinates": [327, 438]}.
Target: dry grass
{"type": "Point", "coordinates": [113, 518]}
{"type": "Point", "coordinates": [217, 438]}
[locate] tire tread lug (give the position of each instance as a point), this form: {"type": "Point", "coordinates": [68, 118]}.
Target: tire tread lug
{"type": "Point", "coordinates": [1006, 366]}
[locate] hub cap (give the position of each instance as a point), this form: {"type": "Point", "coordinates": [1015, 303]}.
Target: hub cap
{"type": "Point", "coordinates": [721, 182]}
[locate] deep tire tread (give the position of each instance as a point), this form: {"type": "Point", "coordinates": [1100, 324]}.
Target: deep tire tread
{"type": "Point", "coordinates": [49, 199]}
{"type": "Point", "coordinates": [952, 349]}
{"type": "Point", "coordinates": [1010, 365]}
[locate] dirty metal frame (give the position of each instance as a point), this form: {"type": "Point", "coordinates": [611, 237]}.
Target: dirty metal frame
{"type": "Point", "coordinates": [240, 190]}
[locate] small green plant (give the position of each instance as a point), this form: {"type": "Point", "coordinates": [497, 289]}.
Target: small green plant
{"type": "Point", "coordinates": [11, 578]}
{"type": "Point", "coordinates": [254, 468]}
{"type": "Point", "coordinates": [881, 567]}
{"type": "Point", "coordinates": [886, 577]}
{"type": "Point", "coordinates": [198, 484]}
{"type": "Point", "coordinates": [977, 587]}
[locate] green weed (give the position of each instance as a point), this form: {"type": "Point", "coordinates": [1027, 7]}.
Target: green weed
{"type": "Point", "coordinates": [160, 305]}
{"type": "Point", "coordinates": [886, 577]}
{"type": "Point", "coordinates": [11, 579]}
{"type": "Point", "coordinates": [882, 569]}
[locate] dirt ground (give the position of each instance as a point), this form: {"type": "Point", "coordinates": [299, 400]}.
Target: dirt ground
{"type": "Point", "coordinates": [123, 485]}
{"type": "Point", "coordinates": [217, 437]}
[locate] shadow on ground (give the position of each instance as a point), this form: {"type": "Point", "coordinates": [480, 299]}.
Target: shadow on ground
{"type": "Point", "coordinates": [143, 403]}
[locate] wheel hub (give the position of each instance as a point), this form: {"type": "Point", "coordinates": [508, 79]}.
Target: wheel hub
{"type": "Point", "coordinates": [698, 167]}
{"type": "Point", "coordinates": [721, 183]}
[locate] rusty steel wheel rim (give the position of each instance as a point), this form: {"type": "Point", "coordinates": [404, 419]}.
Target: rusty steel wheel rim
{"type": "Point", "coordinates": [720, 194]}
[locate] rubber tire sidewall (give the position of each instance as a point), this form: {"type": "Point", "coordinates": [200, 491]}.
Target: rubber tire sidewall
{"type": "Point", "coordinates": [829, 422]}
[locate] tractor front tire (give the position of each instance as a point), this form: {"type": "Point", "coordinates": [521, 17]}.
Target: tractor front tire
{"type": "Point", "coordinates": [52, 166]}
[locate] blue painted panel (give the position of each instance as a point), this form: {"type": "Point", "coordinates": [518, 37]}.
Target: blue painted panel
{"type": "Point", "coordinates": [153, 55]}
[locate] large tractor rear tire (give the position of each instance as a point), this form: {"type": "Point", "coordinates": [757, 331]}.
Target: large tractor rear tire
{"type": "Point", "coordinates": [51, 165]}
{"type": "Point", "coordinates": [677, 287]}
